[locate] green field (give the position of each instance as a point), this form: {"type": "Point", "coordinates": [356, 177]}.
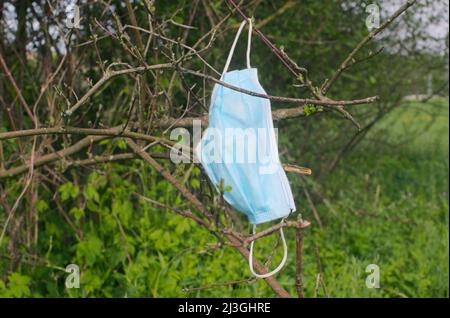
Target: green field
{"type": "Point", "coordinates": [389, 206]}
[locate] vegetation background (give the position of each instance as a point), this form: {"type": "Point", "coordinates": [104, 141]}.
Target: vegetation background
{"type": "Point", "coordinates": [376, 196]}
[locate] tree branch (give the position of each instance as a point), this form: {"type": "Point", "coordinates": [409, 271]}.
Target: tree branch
{"type": "Point", "coordinates": [350, 58]}
{"type": "Point", "coordinates": [298, 273]}
{"type": "Point", "coordinates": [107, 76]}
{"type": "Point", "coordinates": [270, 230]}
{"type": "Point", "coordinates": [321, 102]}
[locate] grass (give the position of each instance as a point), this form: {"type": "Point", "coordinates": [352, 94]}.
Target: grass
{"type": "Point", "coordinates": [389, 207]}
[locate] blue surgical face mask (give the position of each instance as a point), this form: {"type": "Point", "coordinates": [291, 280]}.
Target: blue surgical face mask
{"type": "Point", "coordinates": [239, 150]}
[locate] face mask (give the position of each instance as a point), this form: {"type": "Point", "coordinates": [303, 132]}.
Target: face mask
{"type": "Point", "coordinates": [239, 151]}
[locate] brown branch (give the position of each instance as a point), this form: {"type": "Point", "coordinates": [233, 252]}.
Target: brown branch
{"type": "Point", "coordinates": [52, 157]}
{"type": "Point", "coordinates": [321, 102]}
{"type": "Point", "coordinates": [313, 208]}
{"type": "Point", "coordinates": [107, 76]}
{"type": "Point", "coordinates": [297, 169]}
{"type": "Point", "coordinates": [16, 88]}
{"type": "Point", "coordinates": [134, 23]}
{"type": "Point", "coordinates": [185, 192]}
{"type": "Point", "coordinates": [278, 114]}
{"type": "Point", "coordinates": [126, 156]}
{"type": "Point", "coordinates": [293, 69]}
{"type": "Point", "coordinates": [112, 132]}
{"type": "Point", "coordinates": [103, 133]}
{"type": "Point", "coordinates": [368, 57]}
{"type": "Point", "coordinates": [261, 269]}
{"type": "Point", "coordinates": [298, 273]}
{"type": "Point", "coordinates": [187, 214]}
{"type": "Point", "coordinates": [274, 228]}
{"type": "Point", "coordinates": [111, 158]}
{"type": "Point", "coordinates": [301, 73]}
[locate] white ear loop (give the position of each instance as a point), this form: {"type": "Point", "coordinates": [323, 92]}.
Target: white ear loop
{"type": "Point", "coordinates": [249, 41]}
{"type": "Point", "coordinates": [279, 267]}
{"type": "Point", "coordinates": [233, 46]}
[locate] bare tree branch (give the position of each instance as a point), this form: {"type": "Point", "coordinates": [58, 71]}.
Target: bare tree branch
{"type": "Point", "coordinates": [350, 58]}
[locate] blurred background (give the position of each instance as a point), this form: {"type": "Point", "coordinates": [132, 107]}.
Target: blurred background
{"type": "Point", "coordinates": [378, 195]}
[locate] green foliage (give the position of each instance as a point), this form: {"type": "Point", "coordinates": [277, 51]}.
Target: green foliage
{"type": "Point", "coordinates": [18, 286]}
{"type": "Point", "coordinates": [68, 190]}
{"type": "Point", "coordinates": [387, 205]}
{"type": "Point", "coordinates": [311, 109]}
{"type": "Point", "coordinates": [384, 206]}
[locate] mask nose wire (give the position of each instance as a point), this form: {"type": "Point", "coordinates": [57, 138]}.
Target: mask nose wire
{"type": "Point", "coordinates": [283, 261]}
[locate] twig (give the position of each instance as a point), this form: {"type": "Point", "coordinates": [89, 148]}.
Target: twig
{"type": "Point", "coordinates": [22, 193]}
{"type": "Point", "coordinates": [286, 6]}
{"type": "Point", "coordinates": [107, 76]}
{"type": "Point", "coordinates": [126, 156]}
{"type": "Point", "coordinates": [187, 214]}
{"type": "Point", "coordinates": [112, 132]}
{"type": "Point", "coordinates": [100, 134]}
{"type": "Point", "coordinates": [298, 274]}
{"type": "Point", "coordinates": [271, 281]}
{"type": "Point", "coordinates": [274, 228]}
{"type": "Point", "coordinates": [320, 274]}
{"type": "Point", "coordinates": [316, 288]}
{"type": "Point", "coordinates": [313, 208]}
{"type": "Point", "coordinates": [16, 88]}
{"type": "Point", "coordinates": [278, 53]}
{"type": "Point", "coordinates": [321, 102]}
{"type": "Point", "coordinates": [297, 169]}
{"type": "Point", "coordinates": [112, 158]}
{"type": "Point", "coordinates": [370, 36]}
{"type": "Point", "coordinates": [52, 157]}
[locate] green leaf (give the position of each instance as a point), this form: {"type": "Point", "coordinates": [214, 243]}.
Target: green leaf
{"type": "Point", "coordinates": [18, 285]}
{"type": "Point", "coordinates": [90, 249]}
{"type": "Point", "coordinates": [123, 209]}
{"type": "Point", "coordinates": [91, 281]}
{"type": "Point", "coordinates": [77, 213]}
{"type": "Point", "coordinates": [90, 193]}
{"type": "Point", "coordinates": [68, 190]}
{"type": "Point", "coordinates": [122, 144]}
{"type": "Point", "coordinates": [41, 205]}
{"type": "Point", "coordinates": [195, 183]}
